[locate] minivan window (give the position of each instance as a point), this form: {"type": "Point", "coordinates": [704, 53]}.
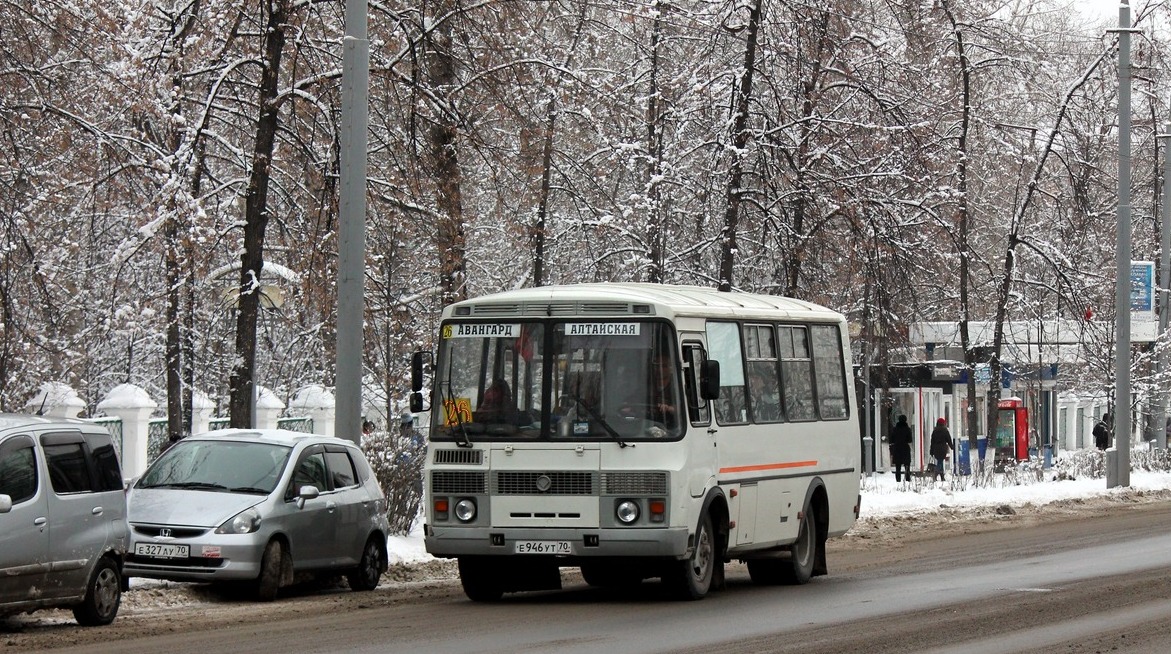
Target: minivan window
{"type": "Point", "coordinates": [68, 471]}
{"type": "Point", "coordinates": [106, 462]}
{"type": "Point", "coordinates": [18, 470]}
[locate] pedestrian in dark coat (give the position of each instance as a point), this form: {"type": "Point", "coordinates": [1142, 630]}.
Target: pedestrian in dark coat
{"type": "Point", "coordinates": [1102, 432]}
{"type": "Point", "coordinates": [900, 449]}
{"type": "Point", "coordinates": [941, 446]}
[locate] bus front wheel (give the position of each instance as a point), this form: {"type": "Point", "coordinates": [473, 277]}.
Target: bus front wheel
{"type": "Point", "coordinates": [691, 579]}
{"type": "Point", "coordinates": [480, 579]}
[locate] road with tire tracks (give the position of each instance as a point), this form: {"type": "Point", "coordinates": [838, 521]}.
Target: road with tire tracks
{"type": "Point", "coordinates": [1093, 578]}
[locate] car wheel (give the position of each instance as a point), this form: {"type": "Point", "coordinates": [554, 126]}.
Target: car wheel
{"type": "Point", "coordinates": [103, 595]}
{"type": "Point", "coordinates": [272, 567]}
{"type": "Point", "coordinates": [370, 567]}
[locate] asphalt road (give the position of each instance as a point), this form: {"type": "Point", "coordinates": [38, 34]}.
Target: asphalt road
{"type": "Point", "coordinates": [1094, 580]}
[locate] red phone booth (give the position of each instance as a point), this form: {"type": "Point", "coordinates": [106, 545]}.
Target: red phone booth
{"type": "Point", "coordinates": [1012, 432]}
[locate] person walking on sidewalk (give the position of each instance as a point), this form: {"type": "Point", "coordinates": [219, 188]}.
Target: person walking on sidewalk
{"type": "Point", "coordinates": [941, 447]}
{"type": "Point", "coordinates": [900, 449]}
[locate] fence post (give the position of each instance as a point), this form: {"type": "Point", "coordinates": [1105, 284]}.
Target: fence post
{"type": "Point", "coordinates": [56, 400]}
{"type": "Point", "coordinates": [133, 406]}
{"type": "Point", "coordinates": [268, 408]}
{"type": "Point", "coordinates": [201, 409]}
{"type": "Point", "coordinates": [317, 402]}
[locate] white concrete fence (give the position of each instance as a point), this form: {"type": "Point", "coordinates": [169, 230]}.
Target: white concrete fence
{"type": "Point", "coordinates": [128, 411]}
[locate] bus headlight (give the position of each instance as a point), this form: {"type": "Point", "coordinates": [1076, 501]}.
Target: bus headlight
{"type": "Point", "coordinates": [465, 510]}
{"type": "Point", "coordinates": [627, 511]}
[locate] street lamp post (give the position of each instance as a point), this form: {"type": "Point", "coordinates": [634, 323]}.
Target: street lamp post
{"type": "Point", "coordinates": [1118, 465]}
{"type": "Point", "coordinates": [1162, 297]}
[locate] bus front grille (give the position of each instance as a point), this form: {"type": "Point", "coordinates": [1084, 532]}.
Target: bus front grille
{"type": "Point", "coordinates": [543, 483]}
{"type": "Point", "coordinates": [634, 483]}
{"type": "Point", "coordinates": [458, 482]}
{"type": "Point", "coordinates": [460, 456]}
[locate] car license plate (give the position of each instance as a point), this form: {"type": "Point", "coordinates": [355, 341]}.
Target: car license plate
{"type": "Point", "coordinates": [161, 550]}
{"type": "Point", "coordinates": [543, 547]}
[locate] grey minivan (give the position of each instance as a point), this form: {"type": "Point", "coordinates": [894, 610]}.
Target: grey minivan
{"type": "Point", "coordinates": [63, 531]}
{"type": "Point", "coordinates": [258, 506]}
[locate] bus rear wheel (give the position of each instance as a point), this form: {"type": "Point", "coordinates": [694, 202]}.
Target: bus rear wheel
{"type": "Point", "coordinates": [804, 551]}
{"type": "Point", "coordinates": [480, 579]}
{"type": "Point", "coordinates": [691, 579]}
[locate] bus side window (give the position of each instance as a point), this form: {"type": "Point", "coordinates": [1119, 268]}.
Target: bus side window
{"type": "Point", "coordinates": [723, 340]}
{"type": "Point", "coordinates": [697, 408]}
{"type": "Point", "coordinates": [796, 373]}
{"type": "Point", "coordinates": [763, 388]}
{"type": "Point", "coordinates": [827, 369]}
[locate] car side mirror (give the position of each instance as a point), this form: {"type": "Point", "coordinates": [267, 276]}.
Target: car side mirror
{"type": "Point", "coordinates": [709, 380]}
{"type": "Point", "coordinates": [307, 493]}
{"type": "Point", "coordinates": [5, 503]}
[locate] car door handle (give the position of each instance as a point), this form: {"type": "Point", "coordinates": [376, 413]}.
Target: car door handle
{"type": "Point", "coordinates": [331, 506]}
{"type": "Point", "coordinates": [97, 510]}
{"type": "Point", "coordinates": [41, 522]}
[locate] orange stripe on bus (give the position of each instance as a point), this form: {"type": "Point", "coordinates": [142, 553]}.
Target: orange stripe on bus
{"type": "Point", "coordinates": [770, 466]}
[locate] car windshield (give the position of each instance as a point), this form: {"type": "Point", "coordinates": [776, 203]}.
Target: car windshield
{"type": "Point", "coordinates": [558, 379]}
{"type": "Point", "coordinates": [228, 466]}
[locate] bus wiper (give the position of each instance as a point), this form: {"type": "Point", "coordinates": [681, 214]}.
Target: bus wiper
{"type": "Point", "coordinates": [596, 417]}
{"type": "Point", "coordinates": [465, 442]}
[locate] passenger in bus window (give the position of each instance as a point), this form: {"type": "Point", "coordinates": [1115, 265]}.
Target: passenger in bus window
{"type": "Point", "coordinates": [498, 405]}
{"type": "Point", "coordinates": [663, 396]}
{"type": "Point", "coordinates": [662, 400]}
{"type": "Point", "coordinates": [766, 399]}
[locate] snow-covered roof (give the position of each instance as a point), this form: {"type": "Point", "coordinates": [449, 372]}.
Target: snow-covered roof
{"type": "Point", "coordinates": [623, 299]}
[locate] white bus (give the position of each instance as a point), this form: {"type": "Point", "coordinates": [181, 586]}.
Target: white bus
{"type": "Point", "coordinates": [638, 431]}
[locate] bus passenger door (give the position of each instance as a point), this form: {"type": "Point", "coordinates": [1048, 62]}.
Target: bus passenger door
{"type": "Point", "coordinates": [703, 453]}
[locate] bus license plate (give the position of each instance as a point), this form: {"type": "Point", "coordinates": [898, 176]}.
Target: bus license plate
{"type": "Point", "coordinates": [161, 551]}
{"type": "Point", "coordinates": [543, 547]}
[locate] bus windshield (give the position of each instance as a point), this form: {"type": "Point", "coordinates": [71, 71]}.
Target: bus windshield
{"type": "Point", "coordinates": [566, 379]}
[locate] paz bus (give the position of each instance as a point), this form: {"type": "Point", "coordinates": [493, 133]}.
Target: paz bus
{"type": "Point", "coordinates": [637, 431]}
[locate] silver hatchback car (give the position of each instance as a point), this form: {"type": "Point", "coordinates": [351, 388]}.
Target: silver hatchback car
{"type": "Point", "coordinates": [259, 506]}
{"type": "Point", "coordinates": [62, 518]}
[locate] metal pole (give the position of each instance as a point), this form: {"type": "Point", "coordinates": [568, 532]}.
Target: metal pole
{"type": "Point", "coordinates": [352, 222]}
{"type": "Point", "coordinates": [868, 413]}
{"type": "Point", "coordinates": [1160, 435]}
{"type": "Point", "coordinates": [1122, 285]}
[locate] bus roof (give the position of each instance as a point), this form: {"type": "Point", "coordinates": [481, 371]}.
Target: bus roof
{"type": "Point", "coordinates": [621, 299]}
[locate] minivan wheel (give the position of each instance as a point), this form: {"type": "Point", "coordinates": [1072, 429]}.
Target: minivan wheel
{"type": "Point", "coordinates": [370, 568]}
{"type": "Point", "coordinates": [271, 572]}
{"type": "Point", "coordinates": [103, 595]}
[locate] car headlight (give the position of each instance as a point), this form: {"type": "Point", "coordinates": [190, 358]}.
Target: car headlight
{"type": "Point", "coordinates": [244, 522]}
{"type": "Point", "coordinates": [627, 511]}
{"type": "Point", "coordinates": [465, 510]}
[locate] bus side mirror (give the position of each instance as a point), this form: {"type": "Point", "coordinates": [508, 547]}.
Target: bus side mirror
{"type": "Point", "coordinates": [419, 361]}
{"type": "Point", "coordinates": [416, 402]}
{"type": "Point", "coordinates": [709, 380]}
